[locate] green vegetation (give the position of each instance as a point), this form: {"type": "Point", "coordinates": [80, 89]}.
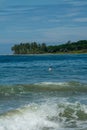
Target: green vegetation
{"type": "Point", "coordinates": [35, 48]}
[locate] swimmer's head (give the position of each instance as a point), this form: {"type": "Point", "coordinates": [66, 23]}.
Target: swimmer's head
{"type": "Point", "coordinates": [50, 68]}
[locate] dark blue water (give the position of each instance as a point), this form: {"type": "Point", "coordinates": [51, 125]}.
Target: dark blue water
{"type": "Point", "coordinates": [35, 97]}
{"type": "Point", "coordinates": [34, 68]}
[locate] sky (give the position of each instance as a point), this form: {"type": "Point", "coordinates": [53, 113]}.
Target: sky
{"type": "Point", "coordinates": [49, 21]}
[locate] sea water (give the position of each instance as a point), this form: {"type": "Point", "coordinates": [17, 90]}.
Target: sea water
{"type": "Point", "coordinates": [34, 97]}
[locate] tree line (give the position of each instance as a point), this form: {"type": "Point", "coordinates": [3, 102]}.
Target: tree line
{"type": "Point", "coordinates": [36, 48]}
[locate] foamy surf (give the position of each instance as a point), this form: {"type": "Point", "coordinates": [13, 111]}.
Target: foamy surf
{"type": "Point", "coordinates": [31, 117]}
{"type": "Point", "coordinates": [43, 86]}
{"type": "Point", "coordinates": [46, 116]}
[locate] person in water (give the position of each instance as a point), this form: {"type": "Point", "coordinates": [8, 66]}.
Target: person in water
{"type": "Point", "coordinates": [50, 68]}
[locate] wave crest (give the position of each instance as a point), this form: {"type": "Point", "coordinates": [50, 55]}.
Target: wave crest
{"type": "Point", "coordinates": [44, 86]}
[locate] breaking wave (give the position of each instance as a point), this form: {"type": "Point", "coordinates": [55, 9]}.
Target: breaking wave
{"type": "Point", "coordinates": [46, 116]}
{"type": "Point", "coordinates": [44, 86]}
{"type": "Point", "coordinates": [44, 111]}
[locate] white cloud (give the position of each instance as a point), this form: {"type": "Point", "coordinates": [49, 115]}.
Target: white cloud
{"type": "Point", "coordinates": [80, 19]}
{"type": "Point", "coordinates": [77, 2]}
{"type": "Point", "coordinates": [72, 14]}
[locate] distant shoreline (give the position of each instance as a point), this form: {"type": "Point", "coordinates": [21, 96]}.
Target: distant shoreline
{"type": "Point", "coordinates": [69, 53]}
{"type": "Point", "coordinates": [79, 47]}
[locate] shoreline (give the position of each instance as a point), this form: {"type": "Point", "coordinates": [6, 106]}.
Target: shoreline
{"type": "Point", "coordinates": [58, 53]}
{"type": "Point", "coordinates": [43, 54]}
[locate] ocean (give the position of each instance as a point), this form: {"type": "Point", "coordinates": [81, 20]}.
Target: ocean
{"type": "Point", "coordinates": [43, 92]}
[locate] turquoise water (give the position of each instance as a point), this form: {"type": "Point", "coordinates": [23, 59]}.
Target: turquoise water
{"type": "Point", "coordinates": [32, 97]}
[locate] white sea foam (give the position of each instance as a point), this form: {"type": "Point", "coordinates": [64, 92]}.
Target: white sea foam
{"type": "Point", "coordinates": [52, 83]}
{"type": "Point", "coordinates": [45, 116]}
{"type": "Point", "coordinates": [32, 117]}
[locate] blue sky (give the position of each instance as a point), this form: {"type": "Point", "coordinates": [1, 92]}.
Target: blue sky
{"type": "Point", "coordinates": [49, 21]}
